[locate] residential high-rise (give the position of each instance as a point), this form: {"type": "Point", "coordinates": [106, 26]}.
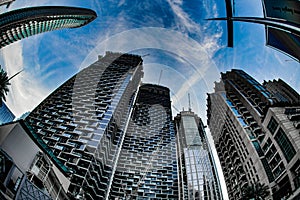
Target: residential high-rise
{"type": "Point", "coordinates": [83, 121]}
{"type": "Point", "coordinates": [239, 117]}
{"type": "Point", "coordinates": [282, 150]}
{"type": "Point", "coordinates": [198, 178]}
{"type": "Point", "coordinates": [284, 93]}
{"type": "Point", "coordinates": [147, 165]}
{"type": "Point", "coordinates": [18, 24]}
{"type": "Point", "coordinates": [5, 114]}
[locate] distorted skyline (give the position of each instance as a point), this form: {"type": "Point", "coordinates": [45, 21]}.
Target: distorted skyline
{"type": "Point", "coordinates": [195, 59]}
{"type": "Point", "coordinates": [180, 48]}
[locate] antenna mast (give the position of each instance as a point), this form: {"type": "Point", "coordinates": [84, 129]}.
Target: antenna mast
{"type": "Point", "coordinates": [161, 71]}
{"type": "Point", "coordinates": [190, 108]}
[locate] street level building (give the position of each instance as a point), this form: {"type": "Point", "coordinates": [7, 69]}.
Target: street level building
{"type": "Point", "coordinates": [29, 170]}
{"type": "Point", "coordinates": [22, 23]}
{"type": "Point", "coordinates": [198, 178]}
{"type": "Point", "coordinates": [83, 121]}
{"type": "Point", "coordinates": [239, 117]}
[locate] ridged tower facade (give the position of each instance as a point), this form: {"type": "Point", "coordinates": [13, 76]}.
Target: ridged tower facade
{"type": "Point", "coordinates": [83, 121]}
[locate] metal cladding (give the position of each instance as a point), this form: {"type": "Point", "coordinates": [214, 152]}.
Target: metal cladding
{"type": "Point", "coordinates": [19, 24]}
{"type": "Point", "coordinates": [83, 121]}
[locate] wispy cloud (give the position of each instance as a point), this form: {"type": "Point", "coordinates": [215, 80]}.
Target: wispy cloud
{"type": "Point", "coordinates": [25, 91]}
{"type": "Point", "coordinates": [202, 72]}
{"type": "Point", "coordinates": [183, 21]}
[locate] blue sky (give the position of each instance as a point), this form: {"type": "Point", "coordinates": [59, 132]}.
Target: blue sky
{"type": "Point", "coordinates": [189, 50]}
{"type": "Point", "coordinates": [51, 58]}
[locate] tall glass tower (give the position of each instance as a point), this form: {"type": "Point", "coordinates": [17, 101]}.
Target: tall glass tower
{"type": "Point", "coordinates": [19, 24]}
{"type": "Point", "coordinates": [147, 165]}
{"type": "Point", "coordinates": [198, 176]}
{"type": "Point", "coordinates": [83, 121]}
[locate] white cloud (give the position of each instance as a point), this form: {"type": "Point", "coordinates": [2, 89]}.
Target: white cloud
{"type": "Point", "coordinates": [184, 23]}
{"type": "Point", "coordinates": [25, 90]}
{"type": "Point", "coordinates": [203, 70]}
{"type": "Point", "coordinates": [121, 2]}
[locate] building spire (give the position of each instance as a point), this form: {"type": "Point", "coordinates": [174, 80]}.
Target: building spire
{"type": "Point", "coordinates": [190, 108]}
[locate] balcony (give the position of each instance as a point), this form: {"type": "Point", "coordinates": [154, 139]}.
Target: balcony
{"type": "Point", "coordinates": [242, 176]}
{"type": "Point", "coordinates": [244, 184]}
{"type": "Point", "coordinates": [296, 124]}
{"type": "Point", "coordinates": [237, 160]}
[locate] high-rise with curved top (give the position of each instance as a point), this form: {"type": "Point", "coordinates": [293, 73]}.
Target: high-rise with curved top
{"type": "Point", "coordinates": [22, 23]}
{"type": "Point", "coordinates": [147, 165]}
{"type": "Point", "coordinates": [84, 120]}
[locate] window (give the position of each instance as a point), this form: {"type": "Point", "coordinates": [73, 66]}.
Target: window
{"type": "Point", "coordinates": [258, 148]}
{"type": "Point", "coordinates": [267, 145]}
{"type": "Point", "coordinates": [285, 145]}
{"type": "Point", "coordinates": [272, 126]}
{"type": "Point", "coordinates": [241, 120]}
{"type": "Point", "coordinates": [267, 169]}
{"type": "Point", "coordinates": [278, 170]}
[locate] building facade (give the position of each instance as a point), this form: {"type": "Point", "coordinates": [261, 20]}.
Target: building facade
{"type": "Point", "coordinates": [237, 114]}
{"type": "Point", "coordinates": [147, 165]}
{"type": "Point", "coordinates": [22, 175]}
{"type": "Point", "coordinates": [5, 114]}
{"type": "Point", "coordinates": [22, 23]}
{"type": "Point", "coordinates": [284, 93]}
{"type": "Point", "coordinates": [198, 178]}
{"type": "Point", "coordinates": [282, 150]}
{"type": "Point", "coordinates": [83, 122]}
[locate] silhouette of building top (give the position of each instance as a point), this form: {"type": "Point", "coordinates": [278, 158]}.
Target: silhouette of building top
{"type": "Point", "coordinates": [18, 24]}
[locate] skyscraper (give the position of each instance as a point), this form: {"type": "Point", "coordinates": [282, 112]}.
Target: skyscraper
{"type": "Point", "coordinates": [198, 177]}
{"type": "Point", "coordinates": [5, 114]}
{"type": "Point", "coordinates": [239, 117]}
{"type": "Point", "coordinates": [18, 24]}
{"type": "Point", "coordinates": [147, 165]}
{"type": "Point", "coordinates": [83, 121]}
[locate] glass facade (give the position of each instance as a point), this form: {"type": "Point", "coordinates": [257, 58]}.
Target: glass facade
{"type": "Point", "coordinates": [272, 126]}
{"type": "Point", "coordinates": [5, 114]}
{"type": "Point", "coordinates": [147, 165]}
{"type": "Point", "coordinates": [83, 121]}
{"type": "Point", "coordinates": [18, 24]}
{"type": "Point", "coordinates": [198, 176]}
{"type": "Point", "coordinates": [285, 145]}
{"type": "Point", "coordinates": [192, 136]}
